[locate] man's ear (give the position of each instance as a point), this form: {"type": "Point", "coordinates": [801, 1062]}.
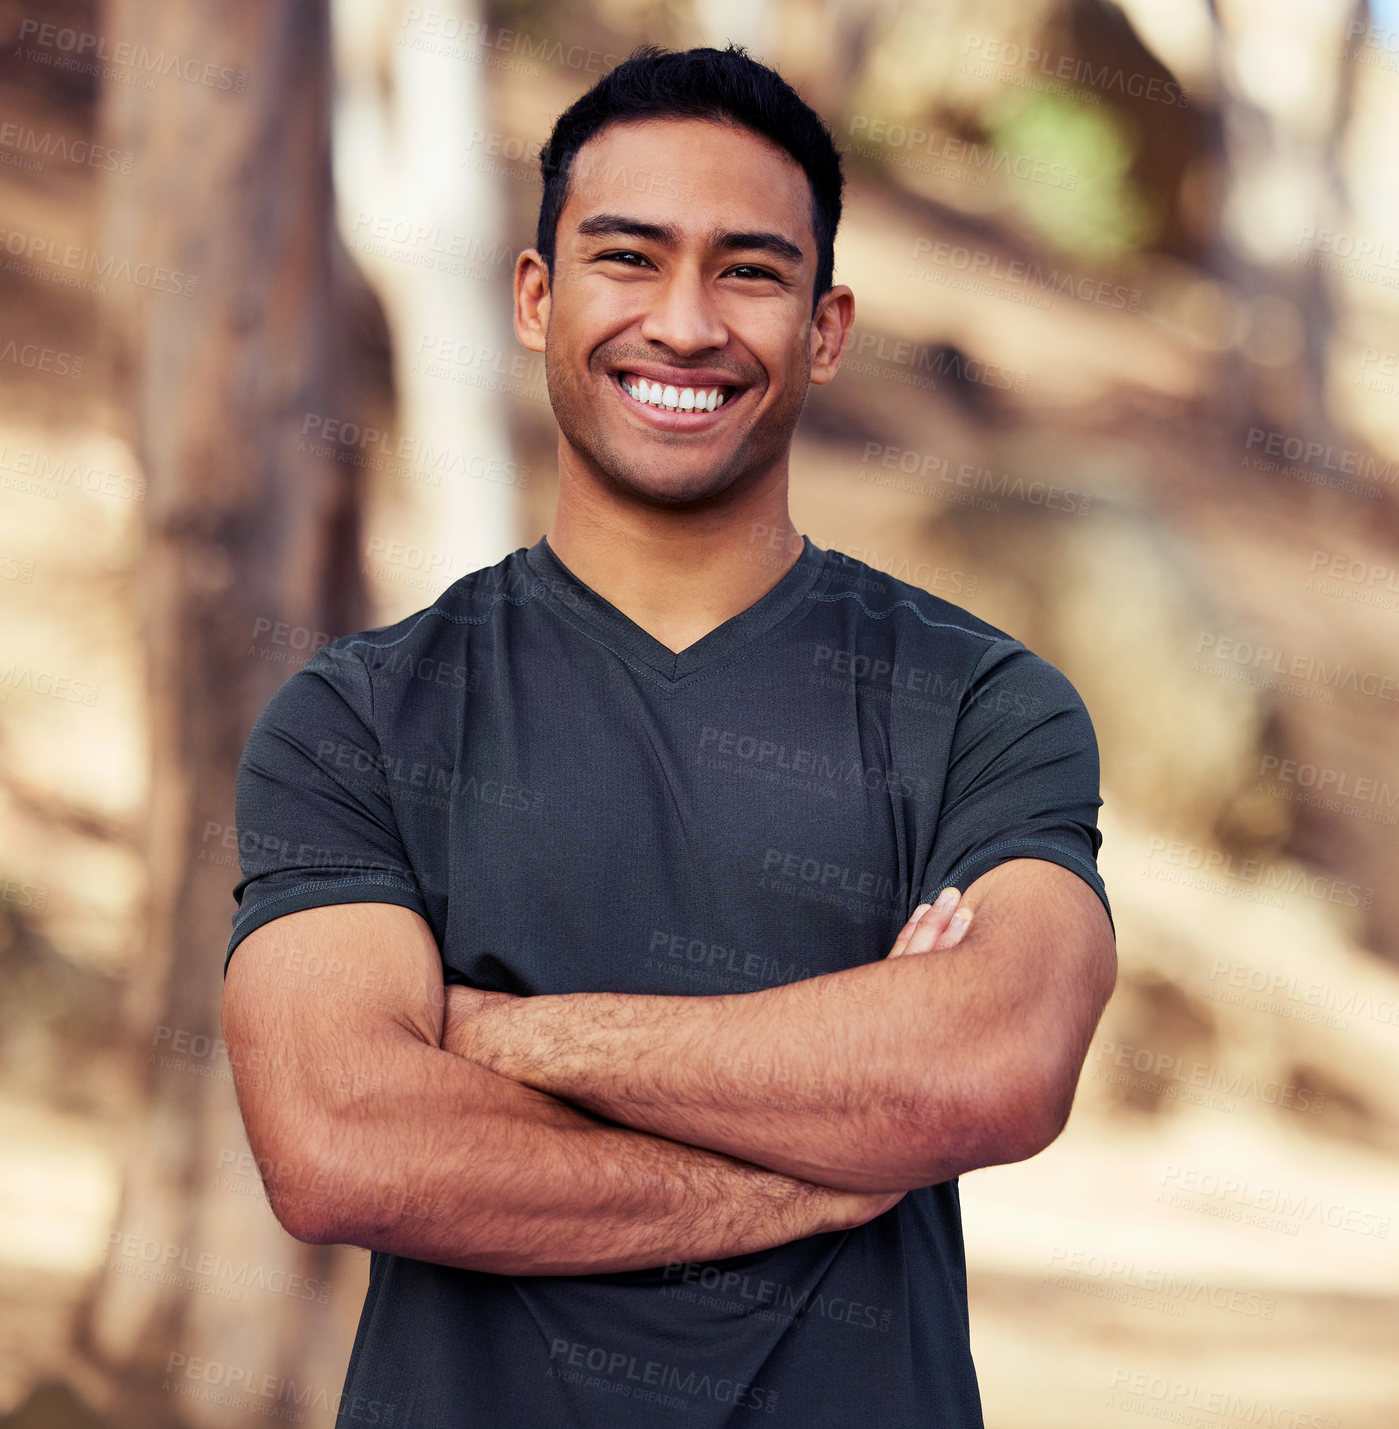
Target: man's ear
{"type": "Point", "coordinates": [532, 298]}
{"type": "Point", "coordinates": [830, 327]}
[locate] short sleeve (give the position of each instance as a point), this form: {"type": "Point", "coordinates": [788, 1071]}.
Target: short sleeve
{"type": "Point", "coordinates": [1022, 779]}
{"type": "Point", "coordinates": [315, 824]}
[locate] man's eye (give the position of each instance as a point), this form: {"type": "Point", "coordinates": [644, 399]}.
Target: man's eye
{"type": "Point", "coordinates": [758, 272]}
{"type": "Point", "coordinates": [625, 253]}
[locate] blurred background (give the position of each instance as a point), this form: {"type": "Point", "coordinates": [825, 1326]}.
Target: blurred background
{"type": "Point", "coordinates": [1124, 381]}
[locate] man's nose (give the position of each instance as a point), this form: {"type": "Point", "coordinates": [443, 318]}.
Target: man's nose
{"type": "Point", "coordinates": [684, 316]}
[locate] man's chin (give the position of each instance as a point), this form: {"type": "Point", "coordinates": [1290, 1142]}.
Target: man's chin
{"type": "Point", "coordinates": [665, 483]}
{"type": "Point", "coordinates": [672, 491]}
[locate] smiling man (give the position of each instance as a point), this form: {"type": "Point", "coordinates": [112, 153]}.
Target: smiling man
{"type": "Point", "coordinates": [591, 965]}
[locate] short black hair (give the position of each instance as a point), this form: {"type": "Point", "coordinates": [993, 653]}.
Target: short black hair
{"type": "Point", "coordinates": [723, 85]}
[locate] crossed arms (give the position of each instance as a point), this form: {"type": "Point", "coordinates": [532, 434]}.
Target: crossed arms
{"type": "Point", "coordinates": [591, 1132]}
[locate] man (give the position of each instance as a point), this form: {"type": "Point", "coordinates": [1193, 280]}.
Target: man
{"type": "Point", "coordinates": [586, 972]}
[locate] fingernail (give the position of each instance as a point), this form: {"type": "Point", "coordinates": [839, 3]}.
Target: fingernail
{"type": "Point", "coordinates": [919, 911]}
{"type": "Point", "coordinates": [959, 924]}
{"type": "Point", "coordinates": [946, 898]}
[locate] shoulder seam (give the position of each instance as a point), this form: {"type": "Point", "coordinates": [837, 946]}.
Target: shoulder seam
{"type": "Point", "coordinates": [446, 615]}
{"type": "Point", "coordinates": [882, 614]}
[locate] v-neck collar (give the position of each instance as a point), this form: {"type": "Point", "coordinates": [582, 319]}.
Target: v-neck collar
{"type": "Point", "coordinates": [622, 634]}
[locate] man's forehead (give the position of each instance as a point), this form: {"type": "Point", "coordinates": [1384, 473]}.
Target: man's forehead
{"type": "Point", "coordinates": [654, 170]}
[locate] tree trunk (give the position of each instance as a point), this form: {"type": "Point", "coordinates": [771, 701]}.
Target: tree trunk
{"type": "Point", "coordinates": [250, 563]}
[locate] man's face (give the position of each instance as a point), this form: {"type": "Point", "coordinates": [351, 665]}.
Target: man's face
{"type": "Point", "coordinates": [684, 258]}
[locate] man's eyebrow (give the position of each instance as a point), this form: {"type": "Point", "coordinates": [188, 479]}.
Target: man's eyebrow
{"type": "Point", "coordinates": [761, 240]}
{"type": "Point", "coordinates": [602, 224]}
{"type": "Point", "coordinates": [667, 234]}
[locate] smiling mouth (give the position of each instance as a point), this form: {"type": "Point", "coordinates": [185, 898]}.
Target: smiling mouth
{"type": "Point", "coordinates": [696, 403]}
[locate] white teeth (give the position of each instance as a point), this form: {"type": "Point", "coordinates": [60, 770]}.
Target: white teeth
{"type": "Point", "coordinates": [674, 399]}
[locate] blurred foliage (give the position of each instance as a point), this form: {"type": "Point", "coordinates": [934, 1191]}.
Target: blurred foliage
{"type": "Point", "coordinates": [1105, 213]}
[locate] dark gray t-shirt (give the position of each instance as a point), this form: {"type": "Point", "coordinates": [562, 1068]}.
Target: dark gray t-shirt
{"type": "Point", "coordinates": [573, 807]}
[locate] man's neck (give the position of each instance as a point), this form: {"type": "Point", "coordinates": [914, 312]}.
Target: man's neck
{"type": "Point", "coordinates": [678, 576]}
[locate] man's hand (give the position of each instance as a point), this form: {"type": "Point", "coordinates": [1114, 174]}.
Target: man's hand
{"type": "Point", "coordinates": [487, 1026]}
{"type": "Point", "coordinates": [934, 926]}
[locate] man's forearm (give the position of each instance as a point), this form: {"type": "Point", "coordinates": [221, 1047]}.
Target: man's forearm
{"type": "Point", "coordinates": [808, 1078]}
{"type": "Point", "coordinates": [889, 1075]}
{"type": "Point", "coordinates": [451, 1163]}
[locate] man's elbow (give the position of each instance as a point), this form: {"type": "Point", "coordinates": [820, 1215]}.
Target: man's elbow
{"type": "Point", "coordinates": [310, 1192]}
{"type": "Point", "coordinates": [1015, 1117]}
{"type": "Point", "coordinates": [306, 1220]}
{"type": "Point", "coordinates": [1027, 1115]}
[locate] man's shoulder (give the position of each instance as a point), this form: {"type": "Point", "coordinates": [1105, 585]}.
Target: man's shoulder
{"type": "Point", "coordinates": [425, 651]}
{"type": "Point", "coordinates": [470, 600]}
{"type": "Point", "coordinates": [986, 664]}
{"type": "Point", "coordinates": [886, 599]}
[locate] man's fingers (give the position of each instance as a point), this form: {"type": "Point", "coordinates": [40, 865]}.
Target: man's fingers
{"type": "Point", "coordinates": [929, 922]}
{"type": "Point", "coordinates": [956, 929]}
{"type": "Point", "coordinates": [906, 932]}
